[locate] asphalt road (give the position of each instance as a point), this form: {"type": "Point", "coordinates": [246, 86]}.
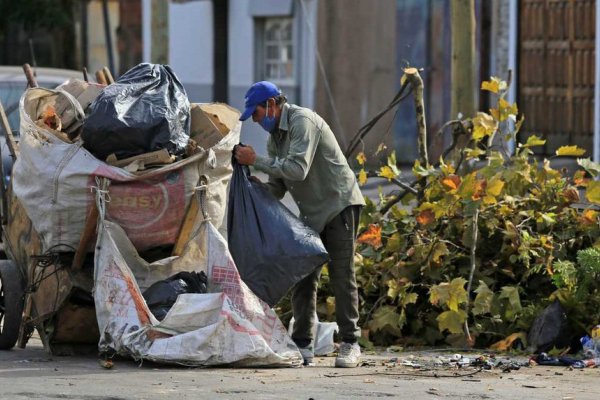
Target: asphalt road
{"type": "Point", "coordinates": [31, 373]}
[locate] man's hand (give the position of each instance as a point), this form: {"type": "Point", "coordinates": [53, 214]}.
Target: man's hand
{"type": "Point", "coordinates": [245, 155]}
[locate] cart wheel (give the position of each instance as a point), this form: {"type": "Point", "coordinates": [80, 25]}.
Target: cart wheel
{"type": "Point", "coordinates": [11, 304]}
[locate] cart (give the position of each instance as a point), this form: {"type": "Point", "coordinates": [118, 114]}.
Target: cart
{"type": "Point", "coordinates": [49, 289]}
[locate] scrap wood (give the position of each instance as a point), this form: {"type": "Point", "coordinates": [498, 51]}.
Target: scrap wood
{"type": "Point", "coordinates": [13, 146]}
{"type": "Point", "coordinates": [86, 236]}
{"type": "Point", "coordinates": [186, 228]}
{"type": "Point", "coordinates": [30, 75]}
{"type": "Point", "coordinates": [158, 157]}
{"type": "Point", "coordinates": [185, 232]}
{"type": "Point", "coordinates": [100, 78]}
{"type": "Point", "coordinates": [108, 75]}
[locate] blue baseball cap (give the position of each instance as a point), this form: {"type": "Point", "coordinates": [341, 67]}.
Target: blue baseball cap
{"type": "Point", "coordinates": [258, 93]}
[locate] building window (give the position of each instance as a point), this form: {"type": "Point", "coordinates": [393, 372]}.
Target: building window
{"type": "Point", "coordinates": [276, 52]}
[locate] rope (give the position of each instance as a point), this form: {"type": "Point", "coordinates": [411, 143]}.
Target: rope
{"type": "Point", "coordinates": [102, 196]}
{"type": "Point", "coordinates": [200, 191]}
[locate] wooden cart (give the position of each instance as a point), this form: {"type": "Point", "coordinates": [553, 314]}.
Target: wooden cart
{"type": "Point", "coordinates": [51, 291]}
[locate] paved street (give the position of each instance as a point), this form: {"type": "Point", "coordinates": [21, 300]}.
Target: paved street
{"type": "Point", "coordinates": [33, 374]}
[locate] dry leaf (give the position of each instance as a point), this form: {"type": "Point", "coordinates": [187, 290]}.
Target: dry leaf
{"type": "Point", "coordinates": [451, 182]}
{"type": "Point", "coordinates": [372, 236]}
{"type": "Point", "coordinates": [425, 217]}
{"type": "Point", "coordinates": [361, 158]}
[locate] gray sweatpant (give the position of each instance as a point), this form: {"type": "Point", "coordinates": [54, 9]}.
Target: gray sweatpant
{"type": "Point", "coordinates": [338, 236]}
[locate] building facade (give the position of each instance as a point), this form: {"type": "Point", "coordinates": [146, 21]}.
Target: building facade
{"type": "Point", "coordinates": [344, 58]}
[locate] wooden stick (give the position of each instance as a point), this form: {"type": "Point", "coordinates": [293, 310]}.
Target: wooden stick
{"type": "Point", "coordinates": [88, 233]}
{"type": "Point", "coordinates": [412, 76]}
{"type": "Point", "coordinates": [108, 75]}
{"type": "Point", "coordinates": [23, 328]}
{"type": "Point", "coordinates": [187, 226]}
{"type": "Point", "coordinates": [472, 273]}
{"type": "Point", "coordinates": [100, 78]}
{"type": "Point", "coordinates": [31, 81]}
{"type": "Point", "coordinates": [13, 146]}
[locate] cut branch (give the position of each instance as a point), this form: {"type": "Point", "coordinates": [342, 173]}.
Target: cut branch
{"type": "Point", "coordinates": [362, 132]}
{"type": "Point", "coordinates": [473, 266]}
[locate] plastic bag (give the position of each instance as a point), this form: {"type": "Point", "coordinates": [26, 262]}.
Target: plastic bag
{"type": "Point", "coordinates": [550, 329]}
{"type": "Point", "coordinates": [271, 247]}
{"type": "Point", "coordinates": [161, 296]}
{"type": "Point", "coordinates": [145, 110]}
{"type": "Point", "coordinates": [323, 332]}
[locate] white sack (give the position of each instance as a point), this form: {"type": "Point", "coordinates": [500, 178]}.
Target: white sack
{"type": "Point", "coordinates": [52, 179]}
{"type": "Point", "coordinates": [230, 325]}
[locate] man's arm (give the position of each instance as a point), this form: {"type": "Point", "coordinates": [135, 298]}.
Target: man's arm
{"type": "Point", "coordinates": [304, 138]}
{"type": "Point", "coordinates": [246, 155]}
{"type": "Point", "coordinates": [276, 187]}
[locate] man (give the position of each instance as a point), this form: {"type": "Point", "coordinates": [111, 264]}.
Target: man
{"type": "Point", "coordinates": [305, 159]}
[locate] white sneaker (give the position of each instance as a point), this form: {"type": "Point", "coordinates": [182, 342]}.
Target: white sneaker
{"type": "Point", "coordinates": [307, 355]}
{"type": "Point", "coordinates": [348, 356]}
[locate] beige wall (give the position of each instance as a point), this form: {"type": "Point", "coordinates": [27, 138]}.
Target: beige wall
{"type": "Point", "coordinates": [356, 39]}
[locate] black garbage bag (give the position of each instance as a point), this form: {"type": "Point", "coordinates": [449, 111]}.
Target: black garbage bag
{"type": "Point", "coordinates": [145, 110]}
{"type": "Point", "coordinates": [271, 247]}
{"type": "Point", "coordinates": [549, 329]}
{"type": "Point", "coordinates": [161, 296]}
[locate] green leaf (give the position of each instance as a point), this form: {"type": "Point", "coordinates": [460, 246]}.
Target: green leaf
{"type": "Point", "coordinates": [590, 166]}
{"type": "Point", "coordinates": [452, 321]}
{"type": "Point", "coordinates": [483, 301]}
{"type": "Point", "coordinates": [572, 151]}
{"type": "Point", "coordinates": [393, 288]}
{"type": "Point", "coordinates": [494, 85]}
{"type": "Point", "coordinates": [533, 140]}
{"type": "Point", "coordinates": [408, 298]}
{"type": "Point", "coordinates": [394, 243]}
{"type": "Point", "coordinates": [362, 177]}
{"type": "Point", "coordinates": [386, 318]}
{"type": "Point", "coordinates": [361, 158]}
{"type": "Point", "coordinates": [451, 294]}
{"type": "Point", "coordinates": [483, 125]}
{"type": "Point", "coordinates": [511, 293]}
{"type": "Point", "coordinates": [392, 163]}
{"type": "Point", "coordinates": [386, 172]}
{"type": "Point", "coordinates": [439, 251]}
{"type": "Point", "coordinates": [490, 86]}
{"type": "Point", "coordinates": [438, 294]}
{"type": "Point", "coordinates": [473, 153]}
{"type": "Point", "coordinates": [457, 293]}
{"type": "Point", "coordinates": [592, 192]}
{"type": "Point", "coordinates": [419, 170]}
{"type": "Point", "coordinates": [548, 218]}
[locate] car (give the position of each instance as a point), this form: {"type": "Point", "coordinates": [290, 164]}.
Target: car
{"type": "Point", "coordinates": [12, 85]}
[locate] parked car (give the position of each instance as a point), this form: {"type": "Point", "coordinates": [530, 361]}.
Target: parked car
{"type": "Point", "coordinates": [12, 85]}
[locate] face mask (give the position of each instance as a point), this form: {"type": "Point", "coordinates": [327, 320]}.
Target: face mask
{"type": "Point", "coordinates": [268, 123]}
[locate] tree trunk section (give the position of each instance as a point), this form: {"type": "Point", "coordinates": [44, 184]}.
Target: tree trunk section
{"type": "Point", "coordinates": [464, 89]}
{"type": "Point", "coordinates": [159, 53]}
